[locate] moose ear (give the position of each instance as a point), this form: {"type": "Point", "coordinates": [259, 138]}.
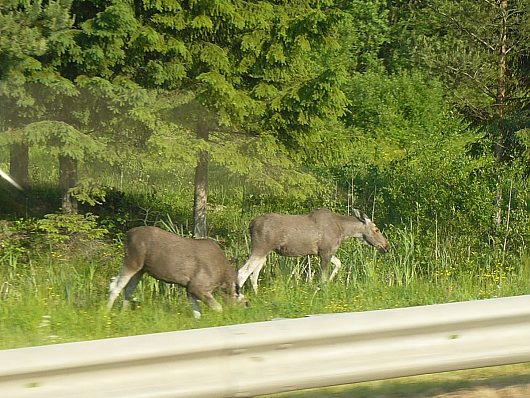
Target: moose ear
{"type": "Point", "coordinates": [360, 216]}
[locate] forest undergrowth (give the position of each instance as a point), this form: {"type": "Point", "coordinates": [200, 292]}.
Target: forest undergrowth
{"type": "Point", "coordinates": [55, 271]}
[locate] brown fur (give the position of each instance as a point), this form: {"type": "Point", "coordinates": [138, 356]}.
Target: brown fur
{"type": "Point", "coordinates": [318, 233]}
{"type": "Point", "coordinates": [199, 265]}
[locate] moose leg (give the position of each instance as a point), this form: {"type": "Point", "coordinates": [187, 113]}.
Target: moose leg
{"type": "Point", "coordinates": [324, 264]}
{"type": "Point", "coordinates": [336, 265]}
{"type": "Point", "coordinates": [118, 284]}
{"type": "Point", "coordinates": [212, 302]}
{"type": "Point", "coordinates": [206, 297]}
{"type": "Point", "coordinates": [254, 276]}
{"type": "Point", "coordinates": [195, 304]}
{"type": "Point", "coordinates": [252, 264]}
{"type": "Point", "coordinates": [129, 289]}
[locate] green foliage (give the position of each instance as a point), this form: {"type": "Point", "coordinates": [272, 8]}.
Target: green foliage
{"type": "Point", "coordinates": [13, 240]}
{"type": "Point", "coordinates": [481, 60]}
{"type": "Point", "coordinates": [267, 169]}
{"type": "Point", "coordinates": [33, 37]}
{"type": "Point", "coordinates": [301, 114]}
{"type": "Point", "coordinates": [467, 49]}
{"type": "Point", "coordinates": [59, 137]}
{"type": "Point", "coordinates": [88, 190]}
{"type": "Point", "coordinates": [61, 228]}
{"type": "Point", "coordinates": [19, 41]}
{"type": "Point", "coordinates": [363, 32]}
{"type": "Point", "coordinates": [412, 161]}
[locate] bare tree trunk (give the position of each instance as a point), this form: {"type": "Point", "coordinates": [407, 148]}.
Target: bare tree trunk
{"type": "Point", "coordinates": [67, 180]}
{"type": "Point", "coordinates": [201, 187]}
{"type": "Point", "coordinates": [19, 164]}
{"type": "Point", "coordinates": [500, 104]}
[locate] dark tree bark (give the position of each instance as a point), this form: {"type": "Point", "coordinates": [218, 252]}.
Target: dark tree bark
{"type": "Point", "coordinates": [500, 104]}
{"type": "Point", "coordinates": [19, 164]}
{"type": "Point", "coordinates": [67, 180]}
{"type": "Point", "coordinates": [201, 186]}
{"type": "Point", "coordinates": [501, 36]}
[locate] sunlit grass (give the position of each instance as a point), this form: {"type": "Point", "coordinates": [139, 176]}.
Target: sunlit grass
{"type": "Point", "coordinates": [512, 380]}
{"type": "Point", "coordinates": [60, 297]}
{"type": "Point", "coordinates": [52, 293]}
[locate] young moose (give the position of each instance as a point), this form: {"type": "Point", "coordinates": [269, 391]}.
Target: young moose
{"type": "Point", "coordinates": [197, 264]}
{"type": "Point", "coordinates": [317, 233]}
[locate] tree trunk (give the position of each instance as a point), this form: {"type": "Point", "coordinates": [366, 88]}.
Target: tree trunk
{"type": "Point", "coordinates": [201, 187]}
{"type": "Point", "coordinates": [67, 180]}
{"type": "Point", "coordinates": [500, 104]}
{"type": "Point", "coordinates": [19, 164]}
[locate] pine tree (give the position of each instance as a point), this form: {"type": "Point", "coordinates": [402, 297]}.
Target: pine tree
{"type": "Point", "coordinates": [75, 102]}
{"type": "Point", "coordinates": [479, 49]}
{"type": "Point", "coordinates": [485, 42]}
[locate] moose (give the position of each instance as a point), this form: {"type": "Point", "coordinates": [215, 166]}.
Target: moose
{"type": "Point", "coordinates": [317, 233]}
{"type": "Point", "coordinates": [199, 265]}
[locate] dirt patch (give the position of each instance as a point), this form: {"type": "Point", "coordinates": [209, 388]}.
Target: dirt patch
{"type": "Point", "coordinates": [510, 381]}
{"type": "Point", "coordinates": [519, 391]}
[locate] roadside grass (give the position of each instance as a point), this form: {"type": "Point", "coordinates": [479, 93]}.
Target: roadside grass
{"type": "Point", "coordinates": [54, 290]}
{"type": "Point", "coordinates": [463, 383]}
{"type": "Point", "coordinates": [52, 297]}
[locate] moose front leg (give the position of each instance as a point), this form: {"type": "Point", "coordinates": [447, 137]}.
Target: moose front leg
{"type": "Point", "coordinates": [196, 292]}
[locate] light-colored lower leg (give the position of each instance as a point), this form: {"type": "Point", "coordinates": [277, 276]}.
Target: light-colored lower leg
{"type": "Point", "coordinates": [336, 265]}
{"type": "Point", "coordinates": [309, 270]}
{"type": "Point", "coordinates": [250, 266]}
{"type": "Point", "coordinates": [116, 286]}
{"type": "Point", "coordinates": [195, 304]}
{"type": "Point", "coordinates": [129, 289]}
{"type": "Point", "coordinates": [254, 276]}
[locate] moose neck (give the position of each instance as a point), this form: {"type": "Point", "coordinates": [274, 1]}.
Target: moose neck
{"type": "Point", "coordinates": [351, 226]}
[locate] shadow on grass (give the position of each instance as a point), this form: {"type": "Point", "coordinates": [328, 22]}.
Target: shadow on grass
{"type": "Point", "coordinates": [426, 386]}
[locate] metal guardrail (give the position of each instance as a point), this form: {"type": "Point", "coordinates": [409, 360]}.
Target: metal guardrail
{"type": "Point", "coordinates": [275, 356]}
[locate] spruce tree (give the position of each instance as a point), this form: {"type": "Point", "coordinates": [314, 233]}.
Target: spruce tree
{"type": "Point", "coordinates": [28, 31]}
{"type": "Point", "coordinates": [255, 66]}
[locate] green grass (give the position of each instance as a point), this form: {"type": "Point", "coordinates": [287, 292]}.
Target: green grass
{"type": "Point", "coordinates": [480, 381]}
{"type": "Point", "coordinates": [55, 291]}
{"type": "Point", "coordinates": [60, 295]}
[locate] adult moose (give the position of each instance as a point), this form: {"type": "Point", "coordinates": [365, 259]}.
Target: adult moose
{"type": "Point", "coordinates": [317, 233]}
{"type": "Point", "coordinates": [197, 264]}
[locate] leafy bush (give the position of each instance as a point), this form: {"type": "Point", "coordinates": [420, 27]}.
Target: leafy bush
{"type": "Point", "coordinates": [413, 161]}
{"type": "Point", "coordinates": [62, 228]}
{"type": "Point", "coordinates": [13, 239]}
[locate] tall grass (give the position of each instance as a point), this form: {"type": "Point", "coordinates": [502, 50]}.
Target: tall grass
{"type": "Point", "coordinates": [51, 299]}
{"type": "Point", "coordinates": [59, 294]}
{"type": "Point", "coordinates": [55, 291]}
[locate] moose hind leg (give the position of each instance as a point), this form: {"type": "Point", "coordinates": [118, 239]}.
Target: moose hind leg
{"type": "Point", "coordinates": [253, 263]}
{"type": "Point", "coordinates": [336, 265]}
{"type": "Point", "coordinates": [255, 275]}
{"type": "Point", "coordinates": [118, 284]}
{"type": "Point", "coordinates": [129, 289]}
